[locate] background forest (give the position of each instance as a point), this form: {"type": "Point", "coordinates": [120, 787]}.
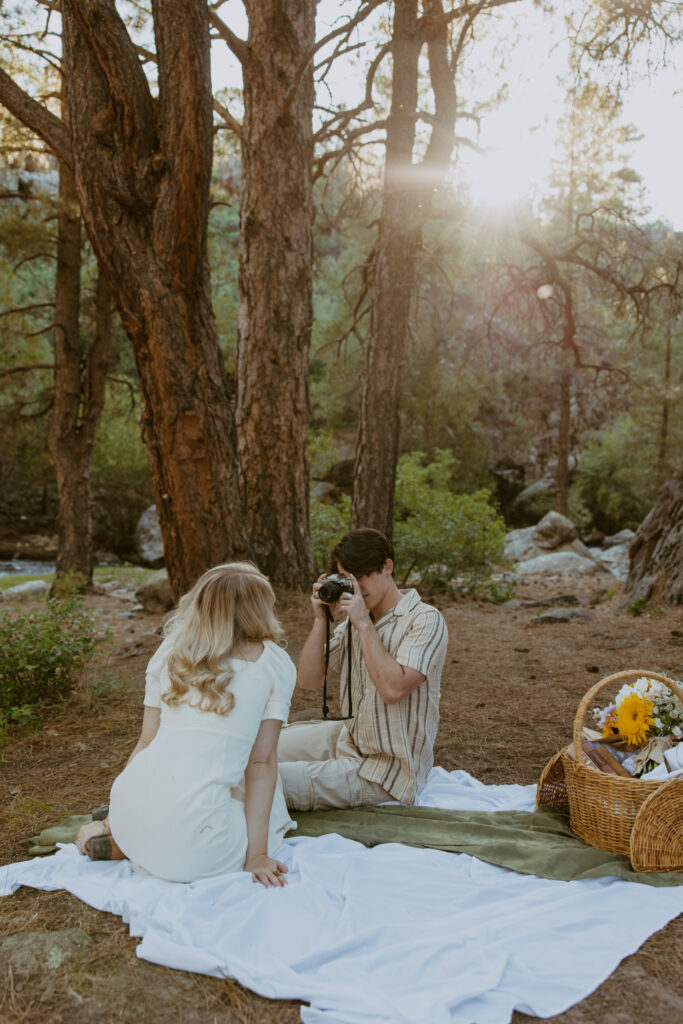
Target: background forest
{"type": "Point", "coordinates": [494, 360]}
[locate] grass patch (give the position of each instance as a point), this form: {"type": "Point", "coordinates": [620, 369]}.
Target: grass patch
{"type": "Point", "coordinates": [123, 574]}
{"type": "Point", "coordinates": [23, 810]}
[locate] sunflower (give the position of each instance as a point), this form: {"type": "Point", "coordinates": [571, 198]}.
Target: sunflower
{"type": "Point", "coordinates": [610, 728]}
{"type": "Point", "coordinates": [634, 719]}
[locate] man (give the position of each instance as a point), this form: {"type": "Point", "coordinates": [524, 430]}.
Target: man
{"type": "Point", "coordinates": [385, 749]}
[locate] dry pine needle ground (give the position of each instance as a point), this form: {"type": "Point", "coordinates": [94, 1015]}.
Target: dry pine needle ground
{"type": "Point", "coordinates": [510, 691]}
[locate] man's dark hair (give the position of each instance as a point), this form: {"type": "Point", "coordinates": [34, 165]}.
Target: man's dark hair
{"type": "Point", "coordinates": [362, 551]}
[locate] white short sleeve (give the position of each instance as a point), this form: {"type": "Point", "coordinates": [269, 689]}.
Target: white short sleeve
{"type": "Point", "coordinates": [282, 675]}
{"type": "Point", "coordinates": [155, 666]}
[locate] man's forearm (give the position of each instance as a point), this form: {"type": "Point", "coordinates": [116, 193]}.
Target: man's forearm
{"type": "Point", "coordinates": [311, 667]}
{"type": "Point", "coordinates": [391, 680]}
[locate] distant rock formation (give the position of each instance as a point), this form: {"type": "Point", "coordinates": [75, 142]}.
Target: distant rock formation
{"type": "Point", "coordinates": [656, 551]}
{"type": "Point", "coordinates": [150, 546]}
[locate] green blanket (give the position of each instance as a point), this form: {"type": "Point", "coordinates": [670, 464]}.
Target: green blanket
{"type": "Point", "coordinates": [539, 843]}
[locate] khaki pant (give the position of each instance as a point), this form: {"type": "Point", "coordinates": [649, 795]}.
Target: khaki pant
{"type": "Point", "coordinates": [318, 765]}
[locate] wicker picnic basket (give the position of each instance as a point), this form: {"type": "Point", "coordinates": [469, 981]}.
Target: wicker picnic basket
{"type": "Point", "coordinates": [640, 818]}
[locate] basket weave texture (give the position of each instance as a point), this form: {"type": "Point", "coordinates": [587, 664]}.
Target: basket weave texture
{"type": "Point", "coordinates": [640, 818]}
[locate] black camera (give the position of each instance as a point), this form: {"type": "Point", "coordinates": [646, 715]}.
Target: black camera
{"type": "Point", "coordinates": [333, 586]}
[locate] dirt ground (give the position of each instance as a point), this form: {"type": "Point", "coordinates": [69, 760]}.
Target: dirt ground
{"type": "Point", "coordinates": [510, 690]}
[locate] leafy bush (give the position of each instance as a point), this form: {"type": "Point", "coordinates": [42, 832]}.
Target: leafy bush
{"type": "Point", "coordinates": [616, 482]}
{"type": "Point", "coordinates": [444, 540]}
{"type": "Point", "coordinates": [41, 654]}
{"type": "Point", "coordinates": [450, 541]}
{"type": "Point", "coordinates": [328, 524]}
{"type": "Point", "coordinates": [120, 475]}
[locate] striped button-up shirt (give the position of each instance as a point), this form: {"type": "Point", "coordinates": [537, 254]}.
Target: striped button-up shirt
{"type": "Point", "coordinates": [395, 741]}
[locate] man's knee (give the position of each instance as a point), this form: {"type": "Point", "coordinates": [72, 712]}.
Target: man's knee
{"type": "Point", "coordinates": [316, 785]}
{"type": "Point", "coordinates": [308, 741]}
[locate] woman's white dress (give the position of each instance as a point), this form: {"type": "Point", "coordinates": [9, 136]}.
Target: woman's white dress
{"type": "Point", "coordinates": [178, 808]}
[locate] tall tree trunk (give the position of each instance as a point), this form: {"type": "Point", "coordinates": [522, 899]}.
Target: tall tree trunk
{"type": "Point", "coordinates": [68, 448]}
{"type": "Point", "coordinates": [79, 388]}
{"type": "Point", "coordinates": [408, 197]}
{"type": "Point", "coordinates": [664, 417]}
{"type": "Point", "coordinates": [562, 475]}
{"type": "Point", "coordinates": [392, 277]}
{"type": "Point", "coordinates": [656, 551]}
{"type": "Point", "coordinates": [142, 168]}
{"type": "Point", "coordinates": [275, 313]}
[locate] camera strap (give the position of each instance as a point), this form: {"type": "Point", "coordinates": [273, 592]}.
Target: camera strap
{"type": "Point", "coordinates": [349, 654]}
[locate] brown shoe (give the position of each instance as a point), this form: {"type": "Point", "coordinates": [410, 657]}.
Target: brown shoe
{"type": "Point", "coordinates": [104, 848]}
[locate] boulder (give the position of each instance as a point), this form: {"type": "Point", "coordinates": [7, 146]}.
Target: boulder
{"type": "Point", "coordinates": [107, 558]}
{"type": "Point", "coordinates": [519, 545]}
{"type": "Point", "coordinates": [553, 531]}
{"type": "Point", "coordinates": [341, 474]}
{"type": "Point", "coordinates": [31, 588]}
{"type": "Point", "coordinates": [615, 559]}
{"type": "Point", "coordinates": [532, 500]}
{"type": "Point", "coordinates": [155, 595]}
{"type": "Point", "coordinates": [150, 546]}
{"type": "Point", "coordinates": [532, 543]}
{"type": "Point", "coordinates": [557, 563]}
{"type": "Point", "coordinates": [325, 492]}
{"type": "Point", "coordinates": [617, 539]}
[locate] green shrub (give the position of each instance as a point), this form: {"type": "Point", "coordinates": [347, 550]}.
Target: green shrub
{"type": "Point", "coordinates": [328, 524]}
{"type": "Point", "coordinates": [447, 541]}
{"type": "Point", "coordinates": [450, 541]}
{"type": "Point", "coordinates": [616, 481]}
{"type": "Point", "coordinates": [41, 654]}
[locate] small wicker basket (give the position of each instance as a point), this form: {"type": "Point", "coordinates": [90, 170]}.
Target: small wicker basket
{"type": "Point", "coordinates": [640, 818]}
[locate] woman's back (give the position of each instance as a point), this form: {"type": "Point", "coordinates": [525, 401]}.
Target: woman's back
{"type": "Point", "coordinates": [177, 808]}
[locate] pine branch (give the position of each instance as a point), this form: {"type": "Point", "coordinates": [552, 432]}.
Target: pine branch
{"type": "Point", "coordinates": [37, 118]}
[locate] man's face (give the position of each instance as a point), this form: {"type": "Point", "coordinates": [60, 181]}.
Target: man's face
{"type": "Point", "coordinates": [373, 585]}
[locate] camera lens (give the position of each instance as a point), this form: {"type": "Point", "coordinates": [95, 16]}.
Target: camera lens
{"type": "Point", "coordinates": [329, 591]}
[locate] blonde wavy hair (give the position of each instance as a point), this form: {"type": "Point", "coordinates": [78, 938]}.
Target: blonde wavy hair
{"type": "Point", "coordinates": [228, 606]}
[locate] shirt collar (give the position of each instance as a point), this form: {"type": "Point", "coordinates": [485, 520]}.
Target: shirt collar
{"type": "Point", "coordinates": [409, 598]}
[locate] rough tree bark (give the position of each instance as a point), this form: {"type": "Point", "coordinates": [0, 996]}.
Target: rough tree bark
{"type": "Point", "coordinates": [142, 168]}
{"type": "Point", "coordinates": [275, 313]}
{"type": "Point", "coordinates": [79, 389]}
{"type": "Point", "coordinates": [391, 288]}
{"type": "Point", "coordinates": [656, 551]}
{"type": "Point", "coordinates": [407, 202]}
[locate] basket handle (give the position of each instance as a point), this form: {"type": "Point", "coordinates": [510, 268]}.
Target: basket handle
{"type": "Point", "coordinates": [635, 673]}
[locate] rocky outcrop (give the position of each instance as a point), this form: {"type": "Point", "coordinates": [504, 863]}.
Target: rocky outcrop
{"type": "Point", "coordinates": [558, 563]}
{"type": "Point", "coordinates": [554, 530]}
{"type": "Point", "coordinates": [31, 588]}
{"type": "Point", "coordinates": [656, 551]}
{"type": "Point", "coordinates": [150, 546]}
{"type": "Point", "coordinates": [155, 595]}
{"type": "Point", "coordinates": [614, 559]}
{"type": "Point", "coordinates": [552, 547]}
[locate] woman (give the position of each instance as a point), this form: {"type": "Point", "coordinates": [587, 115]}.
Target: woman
{"type": "Point", "coordinates": [201, 794]}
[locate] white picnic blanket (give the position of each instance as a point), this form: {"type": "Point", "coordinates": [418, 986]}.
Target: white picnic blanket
{"type": "Point", "coordinates": [389, 935]}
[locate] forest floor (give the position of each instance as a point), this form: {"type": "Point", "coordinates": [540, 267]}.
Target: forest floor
{"type": "Point", "coordinates": [510, 690]}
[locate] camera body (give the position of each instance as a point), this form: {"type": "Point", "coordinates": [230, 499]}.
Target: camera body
{"type": "Point", "coordinates": [333, 586]}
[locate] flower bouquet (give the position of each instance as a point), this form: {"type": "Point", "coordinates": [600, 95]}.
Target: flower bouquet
{"type": "Point", "coordinates": [643, 721]}
{"type": "Point", "coordinates": [618, 810]}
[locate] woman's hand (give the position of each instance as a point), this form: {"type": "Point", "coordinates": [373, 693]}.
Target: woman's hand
{"type": "Point", "coordinates": [266, 870]}
{"type": "Point", "coordinates": [88, 832]}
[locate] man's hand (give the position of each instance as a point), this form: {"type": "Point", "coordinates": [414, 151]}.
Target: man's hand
{"type": "Point", "coordinates": [318, 605]}
{"type": "Point", "coordinates": [354, 606]}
